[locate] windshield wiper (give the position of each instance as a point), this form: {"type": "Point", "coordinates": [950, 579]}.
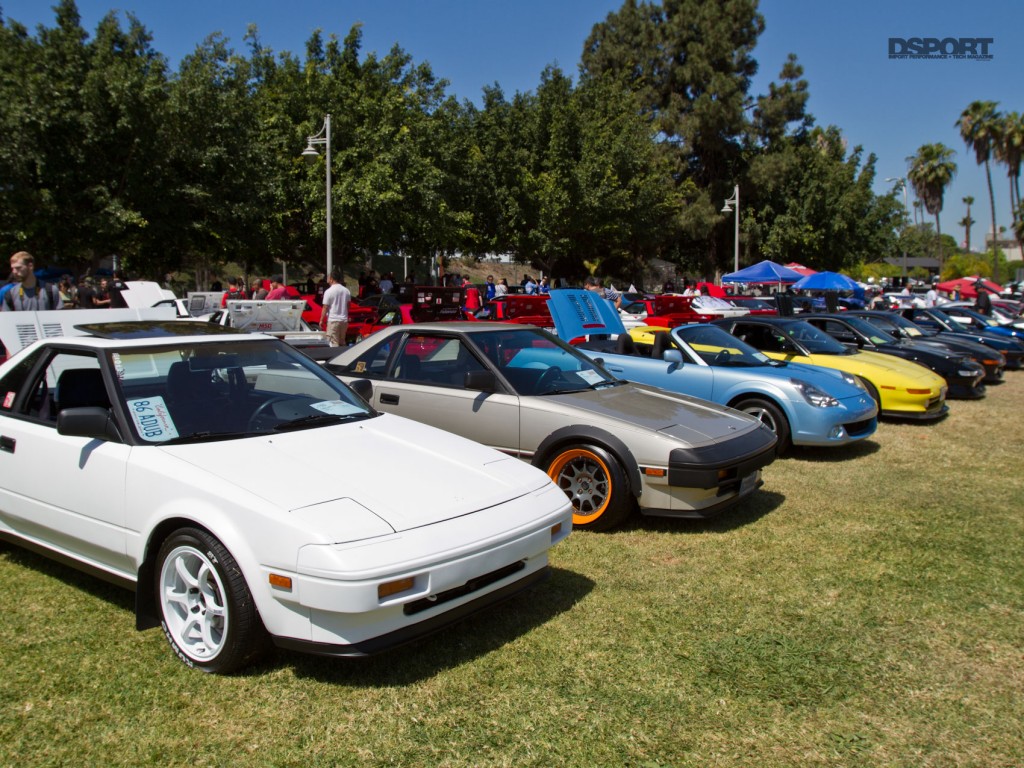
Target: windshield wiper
{"type": "Point", "coordinates": [317, 420]}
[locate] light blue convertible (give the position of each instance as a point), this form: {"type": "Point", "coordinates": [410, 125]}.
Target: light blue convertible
{"type": "Point", "coordinates": [802, 404]}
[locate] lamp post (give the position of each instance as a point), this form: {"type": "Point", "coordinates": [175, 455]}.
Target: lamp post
{"type": "Point", "coordinates": [734, 200]}
{"type": "Point", "coordinates": [901, 183]}
{"type": "Point", "coordinates": [311, 154]}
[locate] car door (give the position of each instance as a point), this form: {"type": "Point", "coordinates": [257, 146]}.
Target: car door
{"type": "Point", "coordinates": [65, 493]}
{"type": "Point", "coordinates": [426, 383]}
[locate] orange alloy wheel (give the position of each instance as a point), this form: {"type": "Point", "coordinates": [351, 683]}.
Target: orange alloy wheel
{"type": "Point", "coordinates": [594, 483]}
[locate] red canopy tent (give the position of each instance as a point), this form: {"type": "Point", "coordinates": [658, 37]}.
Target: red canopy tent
{"type": "Point", "coordinates": [966, 286]}
{"type": "Point", "coordinates": [805, 271]}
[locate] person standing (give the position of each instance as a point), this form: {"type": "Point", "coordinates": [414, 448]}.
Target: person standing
{"type": "Point", "coordinates": [471, 297]}
{"type": "Point", "coordinates": [490, 287]}
{"type": "Point", "coordinates": [334, 317]}
{"type": "Point", "coordinates": [259, 293]}
{"type": "Point", "coordinates": [278, 292]}
{"type": "Point", "coordinates": [27, 294]}
{"type": "Point", "coordinates": [594, 285]}
{"type": "Point", "coordinates": [983, 302]}
{"type": "Point", "coordinates": [115, 288]}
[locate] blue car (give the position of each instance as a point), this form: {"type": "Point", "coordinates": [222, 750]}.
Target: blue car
{"type": "Point", "coordinates": [976, 321]}
{"type": "Point", "coordinates": [803, 405]}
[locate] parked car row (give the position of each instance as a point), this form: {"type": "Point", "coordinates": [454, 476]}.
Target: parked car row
{"type": "Point", "coordinates": [252, 497]}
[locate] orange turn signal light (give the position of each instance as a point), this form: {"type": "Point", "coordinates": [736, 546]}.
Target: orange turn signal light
{"type": "Point", "coordinates": [919, 391]}
{"type": "Point", "coordinates": [277, 580]}
{"type": "Point", "coordinates": [654, 472]}
{"type": "Point", "coordinates": [389, 588]}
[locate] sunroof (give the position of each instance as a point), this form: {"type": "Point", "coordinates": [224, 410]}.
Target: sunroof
{"type": "Point", "coordinates": [154, 329]}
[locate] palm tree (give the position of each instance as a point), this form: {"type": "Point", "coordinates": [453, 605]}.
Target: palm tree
{"type": "Point", "coordinates": [931, 171]}
{"type": "Point", "coordinates": [967, 221]}
{"type": "Point", "coordinates": [1008, 148]}
{"type": "Point", "coordinates": [978, 126]}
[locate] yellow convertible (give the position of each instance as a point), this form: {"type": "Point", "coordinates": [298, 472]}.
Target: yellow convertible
{"type": "Point", "coordinates": [902, 388]}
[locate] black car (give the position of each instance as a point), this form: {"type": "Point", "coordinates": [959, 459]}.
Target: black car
{"type": "Point", "coordinates": [962, 374]}
{"type": "Point", "coordinates": [937, 320]}
{"type": "Point", "coordinates": [895, 324]}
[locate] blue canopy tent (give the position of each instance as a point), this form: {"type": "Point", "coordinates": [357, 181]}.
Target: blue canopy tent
{"type": "Point", "coordinates": [825, 281]}
{"type": "Point", "coordinates": [763, 272]}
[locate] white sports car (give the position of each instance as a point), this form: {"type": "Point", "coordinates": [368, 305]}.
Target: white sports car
{"type": "Point", "coordinates": [250, 498]}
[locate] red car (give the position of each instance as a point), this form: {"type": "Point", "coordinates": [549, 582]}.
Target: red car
{"type": "Point", "coordinates": [413, 304]}
{"type": "Point", "coordinates": [672, 310]}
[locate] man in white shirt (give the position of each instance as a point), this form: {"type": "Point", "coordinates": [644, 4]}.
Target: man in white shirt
{"type": "Point", "coordinates": [334, 318]}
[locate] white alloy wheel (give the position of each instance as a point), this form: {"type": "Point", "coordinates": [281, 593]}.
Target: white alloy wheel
{"type": "Point", "coordinates": [193, 604]}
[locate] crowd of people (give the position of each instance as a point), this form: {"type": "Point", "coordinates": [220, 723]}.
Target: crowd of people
{"type": "Point", "coordinates": [26, 292]}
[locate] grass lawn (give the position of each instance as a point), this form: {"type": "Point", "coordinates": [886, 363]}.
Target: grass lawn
{"type": "Point", "coordinates": [866, 608]}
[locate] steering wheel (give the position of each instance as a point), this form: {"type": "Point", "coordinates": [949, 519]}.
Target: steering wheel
{"type": "Point", "coordinates": [723, 357]}
{"type": "Point", "coordinates": [261, 410]}
{"type": "Point", "coordinates": [548, 379]}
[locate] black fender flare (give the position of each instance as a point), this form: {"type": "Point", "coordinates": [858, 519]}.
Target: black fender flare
{"type": "Point", "coordinates": [583, 433]}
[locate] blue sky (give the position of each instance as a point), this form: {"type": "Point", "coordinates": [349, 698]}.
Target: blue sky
{"type": "Point", "coordinates": [890, 107]}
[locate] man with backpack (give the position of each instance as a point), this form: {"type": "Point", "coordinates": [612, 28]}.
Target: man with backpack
{"type": "Point", "coordinates": [28, 294]}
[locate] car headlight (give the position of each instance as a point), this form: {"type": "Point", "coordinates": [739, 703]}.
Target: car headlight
{"type": "Point", "coordinates": [852, 380]}
{"type": "Point", "coordinates": [813, 395]}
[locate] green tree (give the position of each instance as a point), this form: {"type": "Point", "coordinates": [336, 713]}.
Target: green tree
{"type": "Point", "coordinates": [931, 171]}
{"type": "Point", "coordinates": [690, 63]}
{"type": "Point", "coordinates": [1008, 146]}
{"type": "Point", "coordinates": [978, 125]}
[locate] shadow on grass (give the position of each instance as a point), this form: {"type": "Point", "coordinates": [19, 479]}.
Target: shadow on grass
{"type": "Point", "coordinates": [831, 455]}
{"type": "Point", "coordinates": [748, 511]}
{"type": "Point", "coordinates": [115, 595]}
{"type": "Point", "coordinates": [471, 638]}
{"type": "Point", "coordinates": [474, 636]}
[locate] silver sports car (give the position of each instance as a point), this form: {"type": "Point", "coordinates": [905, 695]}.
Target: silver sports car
{"type": "Point", "coordinates": [609, 444]}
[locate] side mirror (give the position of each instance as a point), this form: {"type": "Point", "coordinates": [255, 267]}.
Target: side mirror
{"type": "Point", "coordinates": [672, 356]}
{"type": "Point", "coordinates": [97, 423]}
{"type": "Point", "coordinates": [363, 388]}
{"type": "Point", "coordinates": [481, 381]}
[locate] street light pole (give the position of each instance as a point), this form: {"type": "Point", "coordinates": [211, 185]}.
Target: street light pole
{"type": "Point", "coordinates": [734, 200]}
{"type": "Point", "coordinates": [901, 183]}
{"type": "Point", "coordinates": [311, 154]}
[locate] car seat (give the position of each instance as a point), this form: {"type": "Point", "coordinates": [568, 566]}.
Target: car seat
{"type": "Point", "coordinates": [81, 388]}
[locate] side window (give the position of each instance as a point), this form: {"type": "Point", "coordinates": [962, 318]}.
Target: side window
{"type": "Point", "coordinates": [373, 363]}
{"type": "Point", "coordinates": [435, 360]}
{"type": "Point", "coordinates": [68, 380]}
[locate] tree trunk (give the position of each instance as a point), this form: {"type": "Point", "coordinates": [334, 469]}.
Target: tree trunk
{"type": "Point", "coordinates": [995, 234]}
{"type": "Point", "coordinates": [938, 241]}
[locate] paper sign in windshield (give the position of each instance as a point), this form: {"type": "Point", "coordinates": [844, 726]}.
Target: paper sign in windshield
{"type": "Point", "coordinates": [337, 407]}
{"type": "Point", "coordinates": [591, 377]}
{"type": "Point", "coordinates": [152, 419]}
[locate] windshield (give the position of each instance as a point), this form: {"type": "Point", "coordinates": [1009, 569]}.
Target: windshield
{"type": "Point", "coordinates": [223, 390]}
{"type": "Point", "coordinates": [967, 316]}
{"type": "Point", "coordinates": [816, 341]}
{"type": "Point", "coordinates": [896, 322]}
{"type": "Point", "coordinates": [950, 321]}
{"type": "Point", "coordinates": [710, 302]}
{"type": "Point", "coordinates": [716, 347]}
{"type": "Point", "coordinates": [873, 332]}
{"type": "Point", "coordinates": [536, 363]}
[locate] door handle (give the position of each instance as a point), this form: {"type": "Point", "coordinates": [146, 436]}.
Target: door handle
{"type": "Point", "coordinates": [7, 444]}
{"type": "Point", "coordinates": [389, 399]}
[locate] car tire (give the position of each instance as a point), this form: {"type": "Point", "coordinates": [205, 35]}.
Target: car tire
{"type": "Point", "coordinates": [873, 391]}
{"type": "Point", "coordinates": [595, 483]}
{"type": "Point", "coordinates": [207, 612]}
{"type": "Point", "coordinates": [769, 414]}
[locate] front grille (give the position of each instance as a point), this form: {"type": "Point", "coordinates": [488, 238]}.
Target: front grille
{"type": "Point", "coordinates": [456, 592]}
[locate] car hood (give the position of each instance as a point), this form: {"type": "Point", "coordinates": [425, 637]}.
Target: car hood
{"type": "Point", "coordinates": [406, 473]}
{"type": "Point", "coordinates": [633, 406]}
